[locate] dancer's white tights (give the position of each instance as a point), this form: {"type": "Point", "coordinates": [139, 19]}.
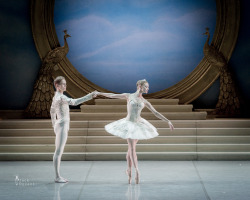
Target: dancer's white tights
{"type": "Point", "coordinates": [131, 154]}
{"type": "Point", "coordinates": [61, 139]}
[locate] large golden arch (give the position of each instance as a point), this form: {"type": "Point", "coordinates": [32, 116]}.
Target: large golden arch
{"type": "Point", "coordinates": [187, 90]}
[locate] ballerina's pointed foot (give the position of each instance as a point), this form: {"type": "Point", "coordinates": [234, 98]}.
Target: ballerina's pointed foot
{"type": "Point", "coordinates": [137, 177]}
{"type": "Point", "coordinates": [128, 172]}
{"type": "Point", "coordinates": [61, 180]}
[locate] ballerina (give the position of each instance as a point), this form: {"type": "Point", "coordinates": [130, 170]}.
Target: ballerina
{"type": "Point", "coordinates": [60, 118]}
{"type": "Point", "coordinates": [134, 127]}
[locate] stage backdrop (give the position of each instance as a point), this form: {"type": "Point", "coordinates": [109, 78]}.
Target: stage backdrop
{"type": "Point", "coordinates": [141, 48]}
{"type": "Point", "coordinates": [116, 43]}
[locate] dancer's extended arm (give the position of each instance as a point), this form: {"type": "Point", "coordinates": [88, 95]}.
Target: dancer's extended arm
{"type": "Point", "coordinates": [78, 101]}
{"type": "Point", "coordinates": [114, 96]}
{"type": "Point", "coordinates": [157, 114]}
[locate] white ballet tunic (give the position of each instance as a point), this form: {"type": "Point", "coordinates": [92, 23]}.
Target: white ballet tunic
{"type": "Point", "coordinates": [59, 110]}
{"type": "Point", "coordinates": [133, 126]}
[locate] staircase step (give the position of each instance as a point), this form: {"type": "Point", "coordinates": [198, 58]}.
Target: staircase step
{"type": "Point", "coordinates": [117, 140]}
{"type": "Point", "coordinates": [77, 123]}
{"type": "Point", "coordinates": [37, 124]}
{"type": "Point", "coordinates": [40, 132]}
{"type": "Point", "coordinates": [99, 148]}
{"type": "Point", "coordinates": [224, 123]}
{"type": "Point", "coordinates": [98, 156]}
{"type": "Point", "coordinates": [223, 156]}
{"type": "Point", "coordinates": [46, 124]}
{"type": "Point", "coordinates": [41, 140]}
{"type": "Point", "coordinates": [41, 156]}
{"type": "Point", "coordinates": [223, 131]}
{"type": "Point", "coordinates": [223, 139]}
{"type": "Point", "coordinates": [147, 116]}
{"type": "Point", "coordinates": [124, 102]}
{"type": "Point", "coordinates": [123, 148]}
{"type": "Point", "coordinates": [85, 132]}
{"type": "Point", "coordinates": [102, 132]}
{"type": "Point", "coordinates": [96, 140]}
{"type": "Point", "coordinates": [223, 147]}
{"type": "Point", "coordinates": [123, 108]}
{"type": "Point", "coordinates": [44, 156]}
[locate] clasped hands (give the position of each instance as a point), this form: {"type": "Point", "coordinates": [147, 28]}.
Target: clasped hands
{"type": "Point", "coordinates": [95, 93]}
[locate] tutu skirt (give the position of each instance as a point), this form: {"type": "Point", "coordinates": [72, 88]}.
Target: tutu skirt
{"type": "Point", "coordinates": [125, 129]}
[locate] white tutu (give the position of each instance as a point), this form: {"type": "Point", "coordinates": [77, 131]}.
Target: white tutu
{"type": "Point", "coordinates": [124, 128]}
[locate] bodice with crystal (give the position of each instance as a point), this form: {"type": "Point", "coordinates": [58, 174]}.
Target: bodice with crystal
{"type": "Point", "coordinates": [134, 108]}
{"type": "Point", "coordinates": [60, 107]}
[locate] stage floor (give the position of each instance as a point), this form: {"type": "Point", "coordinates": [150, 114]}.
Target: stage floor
{"type": "Point", "coordinates": [163, 180]}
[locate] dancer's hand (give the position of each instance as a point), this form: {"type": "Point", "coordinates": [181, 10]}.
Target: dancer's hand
{"type": "Point", "coordinates": [97, 93]}
{"type": "Point", "coordinates": [171, 126]}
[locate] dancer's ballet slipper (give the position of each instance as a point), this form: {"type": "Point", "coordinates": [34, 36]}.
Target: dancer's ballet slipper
{"type": "Point", "coordinates": [61, 180]}
{"type": "Point", "coordinates": [137, 178]}
{"type": "Point", "coordinates": [129, 173]}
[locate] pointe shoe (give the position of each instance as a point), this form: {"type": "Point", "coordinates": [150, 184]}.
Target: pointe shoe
{"type": "Point", "coordinates": [128, 172]}
{"type": "Point", "coordinates": [61, 180]}
{"type": "Point", "coordinates": [137, 178]}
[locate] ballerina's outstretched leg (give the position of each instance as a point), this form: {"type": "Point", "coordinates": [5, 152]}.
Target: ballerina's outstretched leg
{"type": "Point", "coordinates": [129, 169]}
{"type": "Point", "coordinates": [133, 157]}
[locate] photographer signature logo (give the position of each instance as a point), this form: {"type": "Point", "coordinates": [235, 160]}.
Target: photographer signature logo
{"type": "Point", "coordinates": [23, 182]}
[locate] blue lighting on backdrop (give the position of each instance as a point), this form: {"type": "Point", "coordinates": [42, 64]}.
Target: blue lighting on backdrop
{"type": "Point", "coordinates": [116, 42]}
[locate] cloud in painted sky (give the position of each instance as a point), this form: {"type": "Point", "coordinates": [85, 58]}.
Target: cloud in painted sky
{"type": "Point", "coordinates": [193, 21]}
{"type": "Point", "coordinates": [138, 43]}
{"type": "Point", "coordinates": [117, 38]}
{"type": "Point", "coordinates": [111, 38]}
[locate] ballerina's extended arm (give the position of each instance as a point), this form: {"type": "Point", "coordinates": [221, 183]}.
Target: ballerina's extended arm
{"type": "Point", "coordinates": [158, 115]}
{"type": "Point", "coordinates": [114, 96]}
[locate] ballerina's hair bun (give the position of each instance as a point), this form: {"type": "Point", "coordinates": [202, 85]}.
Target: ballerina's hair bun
{"type": "Point", "coordinates": [141, 82]}
{"type": "Point", "coordinates": [58, 80]}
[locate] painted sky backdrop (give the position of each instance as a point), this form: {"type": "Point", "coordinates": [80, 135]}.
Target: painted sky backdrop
{"type": "Point", "coordinates": [20, 63]}
{"type": "Point", "coordinates": [114, 43]}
